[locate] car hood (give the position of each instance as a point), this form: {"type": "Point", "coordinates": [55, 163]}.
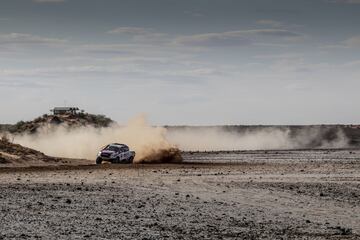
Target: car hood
{"type": "Point", "coordinates": [107, 151]}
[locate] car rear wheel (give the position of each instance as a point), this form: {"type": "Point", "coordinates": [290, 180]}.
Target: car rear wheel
{"type": "Point", "coordinates": [131, 159]}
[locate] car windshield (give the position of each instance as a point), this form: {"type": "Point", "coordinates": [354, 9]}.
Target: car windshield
{"type": "Point", "coordinates": [112, 148]}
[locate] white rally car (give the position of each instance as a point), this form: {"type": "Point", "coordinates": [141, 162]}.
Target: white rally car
{"type": "Point", "coordinates": [115, 153]}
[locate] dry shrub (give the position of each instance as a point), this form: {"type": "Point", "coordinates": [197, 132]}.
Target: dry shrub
{"type": "Point", "coordinates": [4, 139]}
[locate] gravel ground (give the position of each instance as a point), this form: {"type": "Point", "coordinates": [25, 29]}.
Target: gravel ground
{"type": "Point", "coordinates": [225, 195]}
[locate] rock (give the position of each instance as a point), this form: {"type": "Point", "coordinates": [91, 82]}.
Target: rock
{"type": "Point", "coordinates": [344, 231]}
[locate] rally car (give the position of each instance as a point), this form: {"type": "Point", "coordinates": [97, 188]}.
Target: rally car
{"type": "Point", "coordinates": [115, 153]}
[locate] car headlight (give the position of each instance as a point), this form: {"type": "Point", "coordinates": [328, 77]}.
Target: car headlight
{"type": "Point", "coordinates": [99, 153]}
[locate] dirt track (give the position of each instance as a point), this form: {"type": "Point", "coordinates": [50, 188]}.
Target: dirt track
{"type": "Point", "coordinates": [246, 195]}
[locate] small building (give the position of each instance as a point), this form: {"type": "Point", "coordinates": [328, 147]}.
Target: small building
{"type": "Point", "coordinates": [64, 110]}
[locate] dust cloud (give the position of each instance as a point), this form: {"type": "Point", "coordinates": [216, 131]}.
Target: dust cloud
{"type": "Point", "coordinates": [159, 144]}
{"type": "Point", "coordinates": [219, 139]}
{"type": "Point", "coordinates": [149, 143]}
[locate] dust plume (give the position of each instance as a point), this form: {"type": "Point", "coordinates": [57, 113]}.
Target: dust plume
{"type": "Point", "coordinates": [255, 138]}
{"type": "Point", "coordinates": [160, 144]}
{"type": "Point", "coordinates": [149, 143]}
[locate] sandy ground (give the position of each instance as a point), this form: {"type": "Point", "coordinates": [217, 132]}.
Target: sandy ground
{"type": "Point", "coordinates": [225, 195]}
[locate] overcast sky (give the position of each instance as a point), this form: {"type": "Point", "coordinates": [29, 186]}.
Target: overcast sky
{"type": "Point", "coordinates": [201, 62]}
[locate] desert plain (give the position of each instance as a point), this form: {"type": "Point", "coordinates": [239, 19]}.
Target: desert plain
{"type": "Point", "coordinates": [295, 194]}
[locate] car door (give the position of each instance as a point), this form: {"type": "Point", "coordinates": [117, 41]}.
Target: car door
{"type": "Point", "coordinates": [122, 154]}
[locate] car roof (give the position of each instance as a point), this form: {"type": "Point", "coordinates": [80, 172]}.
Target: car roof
{"type": "Point", "coordinates": [117, 145]}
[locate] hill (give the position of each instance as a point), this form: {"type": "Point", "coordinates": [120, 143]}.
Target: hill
{"type": "Point", "coordinates": [15, 155]}
{"type": "Point", "coordinates": [11, 153]}
{"type": "Point", "coordinates": [71, 120]}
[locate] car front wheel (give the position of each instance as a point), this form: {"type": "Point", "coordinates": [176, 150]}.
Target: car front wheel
{"type": "Point", "coordinates": [98, 160]}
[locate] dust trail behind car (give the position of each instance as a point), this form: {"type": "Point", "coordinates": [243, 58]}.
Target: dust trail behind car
{"type": "Point", "coordinates": [160, 144]}
{"type": "Point", "coordinates": [149, 143]}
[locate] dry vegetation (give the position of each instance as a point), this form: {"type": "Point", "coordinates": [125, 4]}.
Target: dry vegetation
{"type": "Point", "coordinates": [80, 119]}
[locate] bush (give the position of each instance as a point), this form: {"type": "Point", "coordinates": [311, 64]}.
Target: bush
{"type": "Point", "coordinates": [4, 138]}
{"type": "Point", "coordinates": [99, 120]}
{"type": "Point", "coordinates": [18, 127]}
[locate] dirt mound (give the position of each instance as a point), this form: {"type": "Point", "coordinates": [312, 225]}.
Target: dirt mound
{"type": "Point", "coordinates": [172, 155]}
{"type": "Point", "coordinates": [11, 153]}
{"type": "Point", "coordinates": [70, 120]}
{"type": "Point", "coordinates": [3, 160]}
